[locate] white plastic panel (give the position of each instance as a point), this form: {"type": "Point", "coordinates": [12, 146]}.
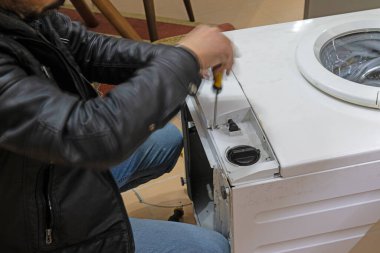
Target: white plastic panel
{"type": "Point", "coordinates": [322, 212]}
{"type": "Point", "coordinates": [232, 104]}
{"type": "Point", "coordinates": [308, 130]}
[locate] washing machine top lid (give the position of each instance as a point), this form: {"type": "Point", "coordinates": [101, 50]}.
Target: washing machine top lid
{"type": "Point", "coordinates": [351, 54]}
{"type": "Point", "coordinates": [309, 130]}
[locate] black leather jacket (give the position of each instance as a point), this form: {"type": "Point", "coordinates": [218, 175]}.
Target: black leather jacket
{"type": "Point", "coordinates": [58, 139]}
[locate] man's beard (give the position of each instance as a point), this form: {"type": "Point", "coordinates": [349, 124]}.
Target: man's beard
{"type": "Point", "coordinates": [33, 14]}
{"type": "Point", "coordinates": [54, 5]}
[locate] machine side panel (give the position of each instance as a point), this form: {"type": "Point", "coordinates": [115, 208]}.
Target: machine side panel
{"type": "Point", "coordinates": [321, 212]}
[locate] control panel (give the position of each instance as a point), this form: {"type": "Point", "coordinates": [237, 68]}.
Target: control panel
{"type": "Point", "coordinates": [238, 144]}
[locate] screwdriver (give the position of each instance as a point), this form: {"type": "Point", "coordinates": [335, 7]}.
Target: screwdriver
{"type": "Point", "coordinates": [217, 85]}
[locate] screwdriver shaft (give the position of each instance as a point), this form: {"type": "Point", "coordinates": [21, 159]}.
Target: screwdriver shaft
{"type": "Point", "coordinates": [214, 125]}
{"type": "Point", "coordinates": [217, 85]}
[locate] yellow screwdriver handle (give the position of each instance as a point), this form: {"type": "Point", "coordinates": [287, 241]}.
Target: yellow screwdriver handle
{"type": "Point", "coordinates": [218, 80]}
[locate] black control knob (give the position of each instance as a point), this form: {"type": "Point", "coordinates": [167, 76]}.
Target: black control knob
{"type": "Point", "coordinates": [232, 126]}
{"type": "Point", "coordinates": [243, 155]}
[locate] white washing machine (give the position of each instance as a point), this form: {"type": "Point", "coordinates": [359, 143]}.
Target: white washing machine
{"type": "Point", "coordinates": [294, 165]}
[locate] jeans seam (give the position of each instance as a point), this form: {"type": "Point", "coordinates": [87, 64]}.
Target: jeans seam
{"type": "Point", "coordinates": [177, 154]}
{"type": "Point", "coordinates": [155, 167]}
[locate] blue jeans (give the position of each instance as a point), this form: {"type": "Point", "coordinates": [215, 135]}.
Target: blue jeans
{"type": "Point", "coordinates": [156, 156]}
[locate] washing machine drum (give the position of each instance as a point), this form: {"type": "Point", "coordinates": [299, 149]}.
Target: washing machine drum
{"type": "Point", "coordinates": [343, 61]}
{"type": "Point", "coordinates": [355, 57]}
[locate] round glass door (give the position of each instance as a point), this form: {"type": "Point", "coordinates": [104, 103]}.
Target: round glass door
{"type": "Point", "coordinates": [355, 57]}
{"type": "Point", "coordinates": [343, 61]}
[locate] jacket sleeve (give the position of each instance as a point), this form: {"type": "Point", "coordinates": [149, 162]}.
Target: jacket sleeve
{"type": "Point", "coordinates": [102, 58]}
{"type": "Point", "coordinates": [42, 122]}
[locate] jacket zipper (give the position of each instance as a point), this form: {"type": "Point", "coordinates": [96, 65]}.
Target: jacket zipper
{"type": "Point", "coordinates": [49, 207]}
{"type": "Point", "coordinates": [45, 71]}
{"type": "Point", "coordinates": [43, 42]}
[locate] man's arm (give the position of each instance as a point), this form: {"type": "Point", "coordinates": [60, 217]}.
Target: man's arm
{"type": "Point", "coordinates": [40, 121]}
{"type": "Point", "coordinates": [105, 58]}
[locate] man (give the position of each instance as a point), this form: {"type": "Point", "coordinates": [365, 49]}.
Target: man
{"type": "Point", "coordinates": [58, 140]}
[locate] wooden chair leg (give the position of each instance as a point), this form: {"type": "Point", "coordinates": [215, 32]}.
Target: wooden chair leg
{"type": "Point", "coordinates": [151, 19]}
{"type": "Point", "coordinates": [85, 12]}
{"type": "Point", "coordinates": [116, 19]}
{"type": "Point", "coordinates": [189, 10]}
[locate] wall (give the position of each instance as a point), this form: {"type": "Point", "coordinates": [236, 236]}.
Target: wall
{"type": "Point", "coordinates": [240, 13]}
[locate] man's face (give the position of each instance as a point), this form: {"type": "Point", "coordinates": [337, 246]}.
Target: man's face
{"type": "Point", "coordinates": [28, 9]}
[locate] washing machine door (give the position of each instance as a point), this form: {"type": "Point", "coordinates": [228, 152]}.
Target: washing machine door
{"type": "Point", "coordinates": [354, 57]}
{"type": "Point", "coordinates": [344, 61]}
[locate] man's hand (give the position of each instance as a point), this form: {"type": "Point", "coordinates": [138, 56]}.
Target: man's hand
{"type": "Point", "coordinates": [212, 48]}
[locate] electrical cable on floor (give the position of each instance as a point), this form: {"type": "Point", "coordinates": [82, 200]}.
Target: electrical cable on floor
{"type": "Point", "coordinates": [141, 200]}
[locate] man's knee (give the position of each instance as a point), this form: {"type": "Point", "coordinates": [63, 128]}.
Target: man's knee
{"type": "Point", "coordinates": [170, 138]}
{"type": "Point", "coordinates": [169, 144]}
{"type": "Point", "coordinates": [158, 155]}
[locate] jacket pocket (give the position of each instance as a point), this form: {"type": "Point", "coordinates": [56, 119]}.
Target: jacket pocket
{"type": "Point", "coordinates": [49, 219]}
{"type": "Point", "coordinates": [47, 213]}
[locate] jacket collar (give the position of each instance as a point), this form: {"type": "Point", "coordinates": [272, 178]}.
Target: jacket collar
{"type": "Point", "coordinates": [10, 23]}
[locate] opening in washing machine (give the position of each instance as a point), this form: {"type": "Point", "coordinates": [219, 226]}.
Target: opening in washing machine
{"type": "Point", "coordinates": [344, 61]}
{"type": "Point", "coordinates": [199, 174]}
{"type": "Point", "coordinates": [207, 186]}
